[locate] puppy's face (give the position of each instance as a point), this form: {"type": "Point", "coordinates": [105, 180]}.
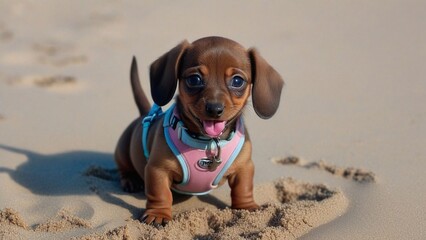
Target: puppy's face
{"type": "Point", "coordinates": [214, 85]}
{"type": "Point", "coordinates": [216, 76]}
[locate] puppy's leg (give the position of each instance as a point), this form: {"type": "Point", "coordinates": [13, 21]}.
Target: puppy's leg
{"type": "Point", "coordinates": [130, 179]}
{"type": "Point", "coordinates": [159, 196]}
{"type": "Point", "coordinates": [241, 185]}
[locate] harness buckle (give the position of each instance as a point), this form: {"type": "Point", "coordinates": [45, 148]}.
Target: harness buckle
{"type": "Point", "coordinates": [149, 118]}
{"type": "Point", "coordinates": [215, 157]}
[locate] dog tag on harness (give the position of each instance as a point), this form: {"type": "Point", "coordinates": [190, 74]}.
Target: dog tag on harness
{"type": "Point", "coordinates": [205, 163]}
{"type": "Point", "coordinates": [209, 164]}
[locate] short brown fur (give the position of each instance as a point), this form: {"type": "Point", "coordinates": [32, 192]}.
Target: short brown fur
{"type": "Point", "coordinates": [216, 60]}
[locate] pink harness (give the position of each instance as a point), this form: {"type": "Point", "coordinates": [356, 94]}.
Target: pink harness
{"type": "Point", "coordinates": [203, 160]}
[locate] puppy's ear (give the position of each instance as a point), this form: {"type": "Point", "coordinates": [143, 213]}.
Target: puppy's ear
{"type": "Point", "coordinates": [163, 74]}
{"type": "Point", "coordinates": [267, 86]}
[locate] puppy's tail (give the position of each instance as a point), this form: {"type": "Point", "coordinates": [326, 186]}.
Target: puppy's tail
{"type": "Point", "coordinates": [140, 98]}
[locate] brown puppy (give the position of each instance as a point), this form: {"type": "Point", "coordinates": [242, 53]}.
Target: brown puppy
{"type": "Point", "coordinates": [215, 77]}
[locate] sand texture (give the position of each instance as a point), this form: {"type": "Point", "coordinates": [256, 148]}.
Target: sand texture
{"type": "Point", "coordinates": [294, 208]}
{"type": "Point", "coordinates": [343, 157]}
{"type": "Point", "coordinates": [355, 174]}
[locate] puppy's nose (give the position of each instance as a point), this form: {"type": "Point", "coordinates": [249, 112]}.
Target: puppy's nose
{"type": "Point", "coordinates": [214, 109]}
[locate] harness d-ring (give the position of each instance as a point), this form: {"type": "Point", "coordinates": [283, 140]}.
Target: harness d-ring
{"type": "Point", "coordinates": [216, 159]}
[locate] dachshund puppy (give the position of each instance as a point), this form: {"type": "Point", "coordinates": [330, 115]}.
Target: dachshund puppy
{"type": "Point", "coordinates": [201, 141]}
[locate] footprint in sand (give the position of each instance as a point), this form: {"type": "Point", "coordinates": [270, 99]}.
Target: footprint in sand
{"type": "Point", "coordinates": [58, 54]}
{"type": "Point", "coordinates": [53, 83]}
{"type": "Point", "coordinates": [355, 174]}
{"type": "Point", "coordinates": [51, 53]}
{"type": "Point", "coordinates": [5, 33]}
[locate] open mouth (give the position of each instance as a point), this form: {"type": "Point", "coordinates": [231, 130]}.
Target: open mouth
{"type": "Point", "coordinates": [214, 128]}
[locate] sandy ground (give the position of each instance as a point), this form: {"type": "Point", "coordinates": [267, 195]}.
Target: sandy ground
{"type": "Point", "coordinates": [353, 106]}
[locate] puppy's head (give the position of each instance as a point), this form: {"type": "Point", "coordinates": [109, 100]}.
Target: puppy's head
{"type": "Point", "coordinates": [216, 76]}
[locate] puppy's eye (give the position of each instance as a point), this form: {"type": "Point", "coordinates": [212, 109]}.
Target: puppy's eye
{"type": "Point", "coordinates": [194, 81]}
{"type": "Point", "coordinates": [237, 82]}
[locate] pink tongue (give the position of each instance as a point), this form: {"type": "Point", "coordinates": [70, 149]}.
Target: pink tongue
{"type": "Point", "coordinates": [214, 128]}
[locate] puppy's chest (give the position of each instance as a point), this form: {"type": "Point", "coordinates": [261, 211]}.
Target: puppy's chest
{"type": "Point", "coordinates": [198, 178]}
{"type": "Point", "coordinates": [204, 162]}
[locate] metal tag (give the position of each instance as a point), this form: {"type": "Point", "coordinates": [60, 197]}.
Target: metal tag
{"type": "Point", "coordinates": [209, 164]}
{"type": "Point", "coordinates": [205, 163]}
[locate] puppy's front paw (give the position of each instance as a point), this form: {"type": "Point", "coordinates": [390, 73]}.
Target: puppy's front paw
{"type": "Point", "coordinates": [157, 217]}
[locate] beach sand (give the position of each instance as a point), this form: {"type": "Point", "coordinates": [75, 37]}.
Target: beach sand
{"type": "Point", "coordinates": [343, 158]}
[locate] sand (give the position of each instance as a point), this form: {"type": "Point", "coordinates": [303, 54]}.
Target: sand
{"type": "Point", "coordinates": [347, 144]}
{"type": "Point", "coordinates": [293, 208]}
{"type": "Point", "coordinates": [356, 174]}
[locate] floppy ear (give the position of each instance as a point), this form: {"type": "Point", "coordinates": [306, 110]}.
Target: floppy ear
{"type": "Point", "coordinates": [267, 86]}
{"type": "Point", "coordinates": [163, 74]}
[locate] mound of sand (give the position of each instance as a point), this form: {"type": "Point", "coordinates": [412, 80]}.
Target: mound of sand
{"type": "Point", "coordinates": [293, 210]}
{"type": "Point", "coordinates": [11, 217]}
{"type": "Point", "coordinates": [301, 207]}
{"type": "Point", "coordinates": [64, 220]}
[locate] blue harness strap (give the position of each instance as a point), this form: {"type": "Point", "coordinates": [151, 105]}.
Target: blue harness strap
{"type": "Point", "coordinates": [154, 113]}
